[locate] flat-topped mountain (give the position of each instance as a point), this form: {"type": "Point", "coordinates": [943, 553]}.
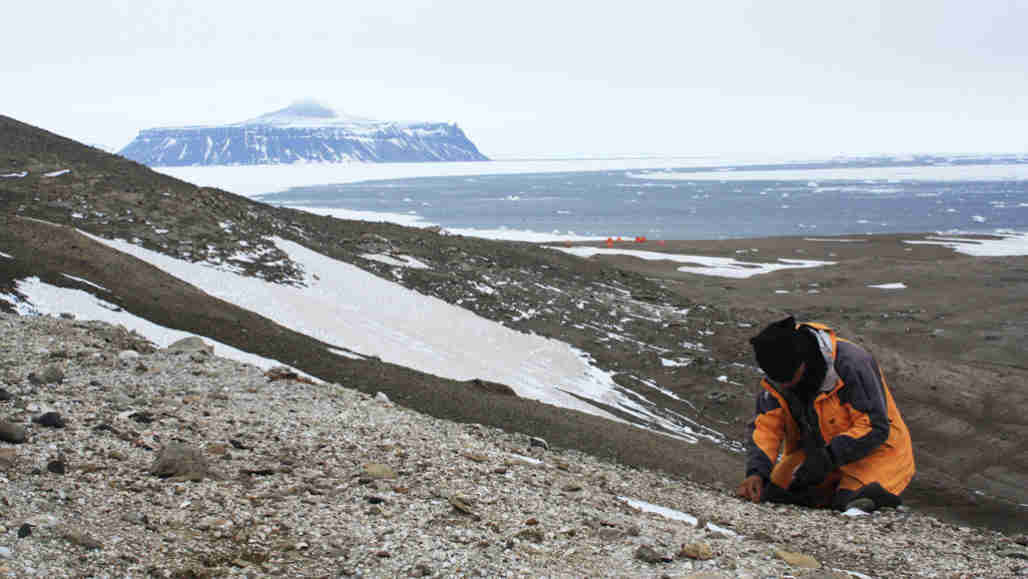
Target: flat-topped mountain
{"type": "Point", "coordinates": [305, 131]}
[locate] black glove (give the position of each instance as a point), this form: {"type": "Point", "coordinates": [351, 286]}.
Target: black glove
{"type": "Point", "coordinates": [814, 469]}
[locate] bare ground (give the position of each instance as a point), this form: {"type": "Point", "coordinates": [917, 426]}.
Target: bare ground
{"type": "Point", "coordinates": [952, 346]}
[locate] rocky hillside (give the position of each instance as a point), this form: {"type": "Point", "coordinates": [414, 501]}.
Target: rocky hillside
{"type": "Point", "coordinates": [121, 459]}
{"type": "Point", "coordinates": [628, 321]}
{"type": "Point", "coordinates": [302, 132]}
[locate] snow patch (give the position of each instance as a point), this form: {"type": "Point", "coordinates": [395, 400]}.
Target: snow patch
{"type": "Point", "coordinates": [1009, 243]}
{"type": "Point", "coordinates": [407, 328]}
{"type": "Point", "coordinates": [397, 260]}
{"type": "Point", "coordinates": [346, 354]}
{"type": "Point", "coordinates": [46, 299]}
{"type": "Point", "coordinates": [713, 266]}
{"type": "Point", "coordinates": [87, 282]}
{"type": "Point", "coordinates": [659, 510]}
{"type": "Point", "coordinates": [835, 239]}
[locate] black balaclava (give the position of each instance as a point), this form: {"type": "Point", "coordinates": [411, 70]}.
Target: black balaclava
{"type": "Point", "coordinates": [777, 348]}
{"type": "Point", "coordinates": [781, 347]}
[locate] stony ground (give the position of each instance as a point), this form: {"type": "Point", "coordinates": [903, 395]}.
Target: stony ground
{"type": "Point", "coordinates": [952, 344]}
{"type": "Point", "coordinates": [122, 460]}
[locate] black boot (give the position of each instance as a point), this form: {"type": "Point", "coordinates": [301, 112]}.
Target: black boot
{"type": "Point", "coordinates": [867, 498]}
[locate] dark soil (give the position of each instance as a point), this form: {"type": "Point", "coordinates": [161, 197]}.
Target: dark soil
{"type": "Point", "coordinates": [951, 345]}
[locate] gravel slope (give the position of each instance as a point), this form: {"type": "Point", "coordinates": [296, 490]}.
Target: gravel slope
{"type": "Point", "coordinates": [298, 479]}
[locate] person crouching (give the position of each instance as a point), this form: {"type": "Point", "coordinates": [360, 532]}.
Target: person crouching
{"type": "Point", "coordinates": [825, 404]}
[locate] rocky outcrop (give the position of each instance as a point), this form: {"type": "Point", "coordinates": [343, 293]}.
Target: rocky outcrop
{"type": "Point", "coordinates": [303, 132]}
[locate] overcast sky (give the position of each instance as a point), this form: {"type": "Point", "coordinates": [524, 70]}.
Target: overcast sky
{"type": "Point", "coordinates": [554, 78]}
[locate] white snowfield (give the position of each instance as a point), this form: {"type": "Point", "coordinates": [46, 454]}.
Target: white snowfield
{"type": "Point", "coordinates": [997, 172]}
{"type": "Point", "coordinates": [347, 307]}
{"type": "Point", "coordinates": [253, 180]}
{"type": "Point", "coordinates": [415, 220]}
{"type": "Point", "coordinates": [705, 265]}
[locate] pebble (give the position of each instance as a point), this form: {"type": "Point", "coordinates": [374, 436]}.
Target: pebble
{"type": "Point", "coordinates": [52, 374]}
{"type": "Point", "coordinates": [797, 559]}
{"type": "Point", "coordinates": [49, 420]}
{"type": "Point", "coordinates": [699, 550]}
{"type": "Point", "coordinates": [13, 433]}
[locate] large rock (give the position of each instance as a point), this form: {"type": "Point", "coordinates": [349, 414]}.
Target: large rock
{"type": "Point", "coordinates": [11, 432]}
{"type": "Point", "coordinates": [180, 462]}
{"type": "Point", "coordinates": [798, 559]}
{"type": "Point", "coordinates": [191, 344]}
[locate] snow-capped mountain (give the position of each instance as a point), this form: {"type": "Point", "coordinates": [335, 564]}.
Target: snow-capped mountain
{"type": "Point", "coordinates": [305, 131]}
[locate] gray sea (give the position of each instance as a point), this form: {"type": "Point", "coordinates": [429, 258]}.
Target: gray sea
{"type": "Point", "coordinates": [835, 197]}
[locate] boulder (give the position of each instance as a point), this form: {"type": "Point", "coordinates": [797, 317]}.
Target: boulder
{"type": "Point", "coordinates": [180, 462]}
{"type": "Point", "coordinates": [191, 344]}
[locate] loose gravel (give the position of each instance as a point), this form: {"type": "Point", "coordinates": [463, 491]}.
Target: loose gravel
{"type": "Point", "coordinates": [134, 461]}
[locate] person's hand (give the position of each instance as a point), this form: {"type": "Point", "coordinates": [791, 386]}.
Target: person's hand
{"type": "Point", "coordinates": [751, 488]}
{"type": "Point", "coordinates": [813, 470]}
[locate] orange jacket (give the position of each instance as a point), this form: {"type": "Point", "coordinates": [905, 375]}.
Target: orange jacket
{"type": "Point", "coordinates": [856, 413]}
